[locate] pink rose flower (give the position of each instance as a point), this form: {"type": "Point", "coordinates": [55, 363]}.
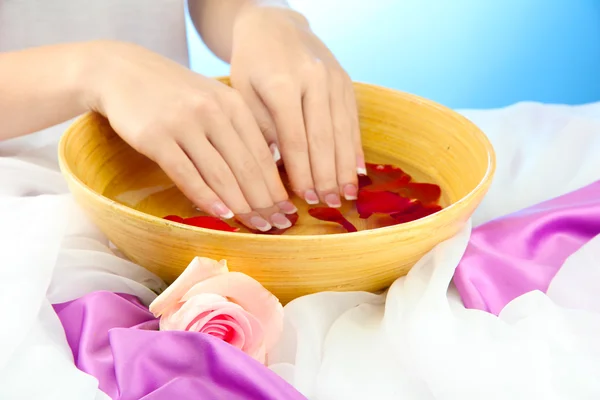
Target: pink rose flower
{"type": "Point", "coordinates": [231, 306]}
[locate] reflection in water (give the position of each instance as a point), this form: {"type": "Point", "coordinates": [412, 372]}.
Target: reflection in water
{"type": "Point", "coordinates": [133, 198]}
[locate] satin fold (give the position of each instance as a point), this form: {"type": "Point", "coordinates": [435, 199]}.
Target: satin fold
{"type": "Point", "coordinates": [115, 338]}
{"type": "Point", "coordinates": [523, 251]}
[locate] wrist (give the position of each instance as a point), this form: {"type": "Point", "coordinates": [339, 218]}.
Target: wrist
{"type": "Point", "coordinates": [81, 75]}
{"type": "Point", "coordinates": [96, 65]}
{"type": "Point", "coordinates": [86, 74]}
{"type": "Point", "coordinates": [269, 11]}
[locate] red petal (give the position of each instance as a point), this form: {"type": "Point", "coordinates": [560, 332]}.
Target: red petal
{"type": "Point", "coordinates": [390, 186]}
{"type": "Point", "coordinates": [276, 231]}
{"type": "Point", "coordinates": [208, 222]}
{"type": "Point", "coordinates": [415, 213]}
{"type": "Point", "coordinates": [390, 172]}
{"type": "Point", "coordinates": [331, 215]}
{"type": "Point", "coordinates": [392, 179]}
{"type": "Point", "coordinates": [425, 192]}
{"type": "Point", "coordinates": [369, 203]}
{"type": "Point", "coordinates": [174, 218]}
{"type": "Point", "coordinates": [364, 180]}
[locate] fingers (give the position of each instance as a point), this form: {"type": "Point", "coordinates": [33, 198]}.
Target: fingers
{"type": "Point", "coordinates": [319, 137]}
{"type": "Point", "coordinates": [245, 124]}
{"type": "Point", "coordinates": [218, 175]}
{"type": "Point", "coordinates": [261, 115]}
{"type": "Point", "coordinates": [252, 167]}
{"type": "Point", "coordinates": [284, 102]}
{"type": "Point", "coordinates": [344, 123]}
{"type": "Point", "coordinates": [215, 172]}
{"type": "Point", "coordinates": [321, 143]}
{"type": "Point", "coordinates": [352, 114]}
{"type": "Point", "coordinates": [182, 171]}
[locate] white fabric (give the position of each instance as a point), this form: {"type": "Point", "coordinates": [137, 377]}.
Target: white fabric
{"type": "Point", "coordinates": [418, 342]}
{"type": "Point", "coordinates": [49, 253]}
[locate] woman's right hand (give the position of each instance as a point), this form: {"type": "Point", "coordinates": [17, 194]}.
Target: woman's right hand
{"type": "Point", "coordinates": [198, 130]}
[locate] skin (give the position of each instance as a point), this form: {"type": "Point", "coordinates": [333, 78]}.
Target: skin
{"type": "Point", "coordinates": [291, 101]}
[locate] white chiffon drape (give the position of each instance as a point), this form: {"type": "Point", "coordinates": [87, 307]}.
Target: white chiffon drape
{"type": "Point", "coordinates": [415, 342]}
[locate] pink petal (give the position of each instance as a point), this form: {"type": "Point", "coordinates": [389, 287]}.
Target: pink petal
{"type": "Point", "coordinates": [228, 331]}
{"type": "Point", "coordinates": [231, 334]}
{"type": "Point", "coordinates": [179, 318]}
{"type": "Point", "coordinates": [200, 268]}
{"type": "Point", "coordinates": [251, 296]}
{"type": "Point", "coordinates": [210, 310]}
{"type": "Point", "coordinates": [254, 334]}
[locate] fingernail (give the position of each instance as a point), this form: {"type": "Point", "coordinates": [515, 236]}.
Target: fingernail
{"type": "Point", "coordinates": [260, 223]}
{"type": "Point", "coordinates": [275, 152]}
{"type": "Point", "coordinates": [287, 207]}
{"type": "Point", "coordinates": [222, 211]}
{"type": "Point", "coordinates": [333, 200]}
{"type": "Point", "coordinates": [280, 221]}
{"type": "Point", "coordinates": [311, 197]}
{"type": "Point", "coordinates": [350, 192]}
{"type": "Point", "coordinates": [361, 167]}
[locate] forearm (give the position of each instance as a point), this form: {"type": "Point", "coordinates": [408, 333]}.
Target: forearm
{"type": "Point", "coordinates": [41, 87]}
{"type": "Point", "coordinates": [214, 21]}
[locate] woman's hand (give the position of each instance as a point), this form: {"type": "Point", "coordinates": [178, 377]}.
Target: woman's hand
{"type": "Point", "coordinates": [302, 100]}
{"type": "Point", "coordinates": [198, 130]}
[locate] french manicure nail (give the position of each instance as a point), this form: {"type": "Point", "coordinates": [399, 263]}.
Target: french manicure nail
{"type": "Point", "coordinates": [311, 197]}
{"type": "Point", "coordinates": [260, 223]}
{"type": "Point", "coordinates": [350, 192]}
{"type": "Point", "coordinates": [333, 200]}
{"type": "Point", "coordinates": [275, 152]}
{"type": "Point", "coordinates": [221, 210]}
{"type": "Point", "coordinates": [287, 207]}
{"type": "Point", "coordinates": [361, 168]}
{"type": "Point", "coordinates": [280, 221]}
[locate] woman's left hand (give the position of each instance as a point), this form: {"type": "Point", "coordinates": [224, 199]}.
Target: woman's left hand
{"type": "Point", "coordinates": [303, 101]}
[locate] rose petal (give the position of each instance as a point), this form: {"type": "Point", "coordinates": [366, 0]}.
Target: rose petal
{"type": "Point", "coordinates": [184, 313]}
{"type": "Point", "coordinates": [424, 192]}
{"type": "Point", "coordinates": [174, 218]}
{"type": "Point", "coordinates": [201, 309]}
{"type": "Point", "coordinates": [200, 268]}
{"type": "Point", "coordinates": [331, 215]}
{"type": "Point", "coordinates": [364, 180]}
{"type": "Point", "coordinates": [215, 308]}
{"type": "Point", "coordinates": [389, 186]}
{"type": "Point", "coordinates": [251, 296]}
{"type": "Point", "coordinates": [385, 172]}
{"type": "Point", "coordinates": [209, 222]}
{"type": "Point", "coordinates": [416, 213]}
{"type": "Point", "coordinates": [217, 330]}
{"type": "Point", "coordinates": [369, 203]}
{"type": "Point", "coordinates": [228, 331]}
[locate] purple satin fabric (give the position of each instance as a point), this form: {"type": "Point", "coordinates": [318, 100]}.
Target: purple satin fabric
{"type": "Point", "coordinates": [116, 339]}
{"type": "Point", "coordinates": [521, 252]}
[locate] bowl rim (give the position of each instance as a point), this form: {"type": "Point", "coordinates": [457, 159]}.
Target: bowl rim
{"type": "Point", "coordinates": [482, 185]}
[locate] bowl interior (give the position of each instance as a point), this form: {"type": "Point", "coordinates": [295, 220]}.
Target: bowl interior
{"type": "Point", "coordinates": [428, 141]}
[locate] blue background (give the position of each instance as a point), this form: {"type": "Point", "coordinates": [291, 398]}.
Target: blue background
{"type": "Point", "coordinates": [461, 53]}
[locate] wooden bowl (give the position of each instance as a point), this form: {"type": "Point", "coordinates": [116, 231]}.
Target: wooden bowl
{"type": "Point", "coordinates": [127, 195]}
